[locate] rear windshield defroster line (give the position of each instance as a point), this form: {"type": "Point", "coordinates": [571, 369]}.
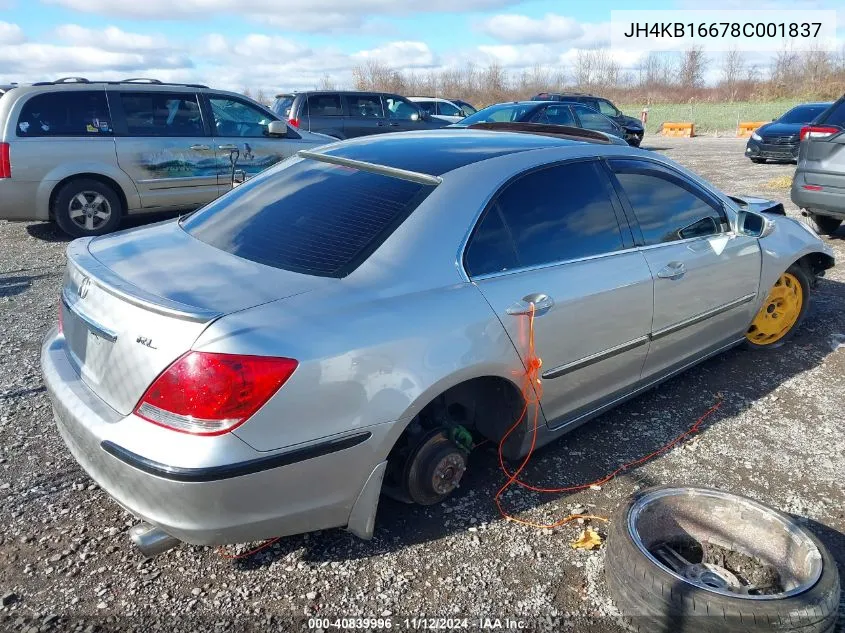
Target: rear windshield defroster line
{"type": "Point", "coordinates": [308, 217]}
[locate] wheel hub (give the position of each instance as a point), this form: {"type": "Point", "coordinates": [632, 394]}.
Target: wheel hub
{"type": "Point", "coordinates": [712, 577]}
{"type": "Point", "coordinates": [779, 313]}
{"type": "Point", "coordinates": [447, 474]}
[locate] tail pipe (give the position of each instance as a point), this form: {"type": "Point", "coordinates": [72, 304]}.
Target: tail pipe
{"type": "Point", "coordinates": [150, 540]}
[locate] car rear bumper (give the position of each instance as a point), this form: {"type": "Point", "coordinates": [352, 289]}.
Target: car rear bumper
{"type": "Point", "coordinates": [259, 495]}
{"type": "Point", "coordinates": [783, 151]}
{"type": "Point", "coordinates": [828, 200]}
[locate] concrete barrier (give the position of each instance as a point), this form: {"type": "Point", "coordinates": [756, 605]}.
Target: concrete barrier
{"type": "Point", "coordinates": [672, 128]}
{"type": "Point", "coordinates": [746, 128]}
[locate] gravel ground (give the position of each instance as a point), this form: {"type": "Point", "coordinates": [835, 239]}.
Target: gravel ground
{"type": "Point", "coordinates": [66, 562]}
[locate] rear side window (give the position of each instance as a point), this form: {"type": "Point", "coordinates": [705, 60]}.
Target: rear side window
{"type": "Point", "coordinates": [550, 215]}
{"type": "Point", "coordinates": [67, 113]}
{"type": "Point", "coordinates": [365, 106]}
{"type": "Point", "coordinates": [667, 208]}
{"type": "Point", "coordinates": [835, 115]}
{"type": "Point", "coordinates": [308, 217]}
{"type": "Point", "coordinates": [324, 105]}
{"type": "Point", "coordinates": [162, 114]}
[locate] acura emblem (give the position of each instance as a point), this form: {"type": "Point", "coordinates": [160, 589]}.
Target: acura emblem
{"type": "Point", "coordinates": [82, 291]}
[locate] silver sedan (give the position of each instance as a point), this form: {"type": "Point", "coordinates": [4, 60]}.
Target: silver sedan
{"type": "Point", "coordinates": [354, 320]}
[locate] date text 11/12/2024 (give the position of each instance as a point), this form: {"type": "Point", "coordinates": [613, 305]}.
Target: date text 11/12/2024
{"type": "Point", "coordinates": [417, 624]}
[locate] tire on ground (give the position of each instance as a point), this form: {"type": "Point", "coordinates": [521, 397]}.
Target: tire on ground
{"type": "Point", "coordinates": [652, 600]}
{"type": "Point", "coordinates": [71, 189]}
{"type": "Point", "coordinates": [824, 224]}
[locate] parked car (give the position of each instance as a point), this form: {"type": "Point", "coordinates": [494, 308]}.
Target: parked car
{"type": "Point", "coordinates": [349, 114]}
{"type": "Point", "coordinates": [549, 112]}
{"type": "Point", "coordinates": [84, 154]}
{"type": "Point", "coordinates": [779, 139]}
{"type": "Point", "coordinates": [282, 104]}
{"type": "Point", "coordinates": [818, 186]}
{"type": "Point", "coordinates": [632, 125]}
{"type": "Point", "coordinates": [465, 106]}
{"type": "Point", "coordinates": [373, 324]}
{"type": "Point", "coordinates": [439, 108]}
{"type": "Point", "coordinates": [4, 88]}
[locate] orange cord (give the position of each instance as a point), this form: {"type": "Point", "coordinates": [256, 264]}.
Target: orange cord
{"type": "Point", "coordinates": [532, 391]}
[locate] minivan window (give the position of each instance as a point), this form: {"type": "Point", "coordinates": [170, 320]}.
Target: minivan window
{"type": "Point", "coordinates": [308, 217]}
{"type": "Point", "coordinates": [667, 208]}
{"type": "Point", "coordinates": [550, 215]}
{"type": "Point", "coordinates": [66, 113]}
{"type": "Point", "coordinates": [162, 114]}
{"type": "Point", "coordinates": [233, 117]}
{"type": "Point", "coordinates": [367, 106]}
{"type": "Point", "coordinates": [399, 108]}
{"type": "Point", "coordinates": [324, 105]}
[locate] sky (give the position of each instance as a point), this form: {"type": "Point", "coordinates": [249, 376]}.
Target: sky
{"type": "Point", "coordinates": [276, 45]}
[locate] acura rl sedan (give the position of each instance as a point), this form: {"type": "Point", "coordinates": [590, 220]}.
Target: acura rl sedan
{"type": "Point", "coordinates": [353, 321]}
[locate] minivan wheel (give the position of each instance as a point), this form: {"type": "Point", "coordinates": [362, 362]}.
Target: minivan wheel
{"type": "Point", "coordinates": [824, 224]}
{"type": "Point", "coordinates": [704, 560]}
{"type": "Point", "coordinates": [85, 207]}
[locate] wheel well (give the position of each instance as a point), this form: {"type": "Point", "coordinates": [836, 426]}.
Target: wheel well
{"type": "Point", "coordinates": [816, 262]}
{"type": "Point", "coordinates": [103, 179]}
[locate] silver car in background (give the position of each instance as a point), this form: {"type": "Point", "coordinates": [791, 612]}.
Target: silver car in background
{"type": "Point", "coordinates": [354, 320]}
{"type": "Point", "coordinates": [85, 154]}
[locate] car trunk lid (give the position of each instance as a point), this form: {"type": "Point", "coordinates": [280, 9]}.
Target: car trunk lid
{"type": "Point", "coordinates": [133, 303]}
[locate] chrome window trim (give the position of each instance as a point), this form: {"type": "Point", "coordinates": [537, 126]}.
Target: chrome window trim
{"type": "Point", "coordinates": [562, 262]}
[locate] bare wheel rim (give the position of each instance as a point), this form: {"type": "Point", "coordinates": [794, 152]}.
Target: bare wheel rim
{"type": "Point", "coordinates": [89, 210]}
{"type": "Point", "coordinates": [773, 546]}
{"type": "Point", "coordinates": [779, 312]}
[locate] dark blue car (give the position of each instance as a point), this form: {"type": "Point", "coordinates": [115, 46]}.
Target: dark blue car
{"type": "Point", "coordinates": [779, 140]}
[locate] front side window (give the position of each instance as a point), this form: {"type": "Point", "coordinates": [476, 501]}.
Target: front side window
{"type": "Point", "coordinates": [367, 106]}
{"type": "Point", "coordinates": [557, 115]}
{"type": "Point", "coordinates": [551, 215]}
{"type": "Point", "coordinates": [607, 108]}
{"type": "Point", "coordinates": [236, 118]}
{"type": "Point", "coordinates": [428, 106]}
{"type": "Point", "coordinates": [667, 208]}
{"type": "Point", "coordinates": [308, 217]}
{"type": "Point", "coordinates": [447, 109]}
{"type": "Point", "coordinates": [398, 108]}
{"type": "Point", "coordinates": [67, 113]}
{"type": "Point", "coordinates": [592, 120]}
{"type": "Point", "coordinates": [162, 114]}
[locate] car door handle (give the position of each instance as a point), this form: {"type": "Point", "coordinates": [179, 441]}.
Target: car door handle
{"type": "Point", "coordinates": [200, 148]}
{"type": "Point", "coordinates": [672, 270]}
{"type": "Point", "coordinates": [393, 124]}
{"type": "Point", "coordinates": [381, 124]}
{"type": "Point", "coordinates": [228, 147]}
{"type": "Point", "coordinates": [542, 302]}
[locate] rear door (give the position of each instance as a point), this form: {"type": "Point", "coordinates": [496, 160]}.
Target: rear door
{"type": "Point", "coordinates": [324, 114]}
{"type": "Point", "coordinates": [165, 146]}
{"type": "Point", "coordinates": [705, 276]}
{"type": "Point", "coordinates": [821, 156]}
{"type": "Point", "coordinates": [556, 237]}
{"type": "Point", "coordinates": [365, 115]}
{"type": "Point", "coordinates": [240, 135]}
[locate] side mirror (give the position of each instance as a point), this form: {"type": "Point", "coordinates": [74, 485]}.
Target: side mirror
{"type": "Point", "coordinates": [277, 128]}
{"type": "Point", "coordinates": [754, 224]}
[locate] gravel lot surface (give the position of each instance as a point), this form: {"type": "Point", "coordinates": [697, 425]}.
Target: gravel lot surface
{"type": "Point", "coordinates": [66, 562]}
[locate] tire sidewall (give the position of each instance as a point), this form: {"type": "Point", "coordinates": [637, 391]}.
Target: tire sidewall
{"type": "Point", "coordinates": [824, 224]}
{"type": "Point", "coordinates": [822, 598]}
{"type": "Point", "coordinates": [62, 202]}
{"type": "Point", "coordinates": [800, 273]}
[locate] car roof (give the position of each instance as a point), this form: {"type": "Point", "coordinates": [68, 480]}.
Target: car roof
{"type": "Point", "coordinates": [437, 152]}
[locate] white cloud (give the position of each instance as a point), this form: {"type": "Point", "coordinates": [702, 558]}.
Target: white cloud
{"type": "Point", "coordinates": [111, 39]}
{"type": "Point", "coordinates": [399, 55]}
{"type": "Point", "coordinates": [520, 56]}
{"type": "Point", "coordinates": [11, 34]}
{"type": "Point", "coordinates": [550, 29]}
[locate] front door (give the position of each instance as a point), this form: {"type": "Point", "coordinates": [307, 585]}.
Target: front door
{"type": "Point", "coordinates": [553, 237]}
{"type": "Point", "coordinates": [240, 135]}
{"type": "Point", "coordinates": [163, 145]}
{"type": "Point", "coordinates": [365, 115]}
{"type": "Point", "coordinates": [705, 276]}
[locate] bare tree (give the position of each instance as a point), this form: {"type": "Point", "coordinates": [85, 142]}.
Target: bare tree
{"type": "Point", "coordinates": [327, 83]}
{"type": "Point", "coordinates": [733, 70]}
{"type": "Point", "coordinates": [693, 66]}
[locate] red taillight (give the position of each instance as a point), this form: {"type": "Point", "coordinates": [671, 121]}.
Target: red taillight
{"type": "Point", "coordinates": [5, 161]}
{"type": "Point", "coordinates": [205, 393]}
{"type": "Point", "coordinates": [815, 131]}
{"type": "Point", "coordinates": [293, 121]}
{"type": "Point", "coordinates": [811, 187]}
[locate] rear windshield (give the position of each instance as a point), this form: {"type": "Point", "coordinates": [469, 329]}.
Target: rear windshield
{"type": "Point", "coordinates": [308, 217]}
{"type": "Point", "coordinates": [835, 115]}
{"type": "Point", "coordinates": [282, 106]}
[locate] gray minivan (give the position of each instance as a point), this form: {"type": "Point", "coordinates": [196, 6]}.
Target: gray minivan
{"type": "Point", "coordinates": [348, 114]}
{"type": "Point", "coordinates": [84, 154]}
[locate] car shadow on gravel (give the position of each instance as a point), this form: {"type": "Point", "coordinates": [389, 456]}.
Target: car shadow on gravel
{"type": "Point", "coordinates": [17, 284]}
{"type": "Point", "coordinates": [737, 379]}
